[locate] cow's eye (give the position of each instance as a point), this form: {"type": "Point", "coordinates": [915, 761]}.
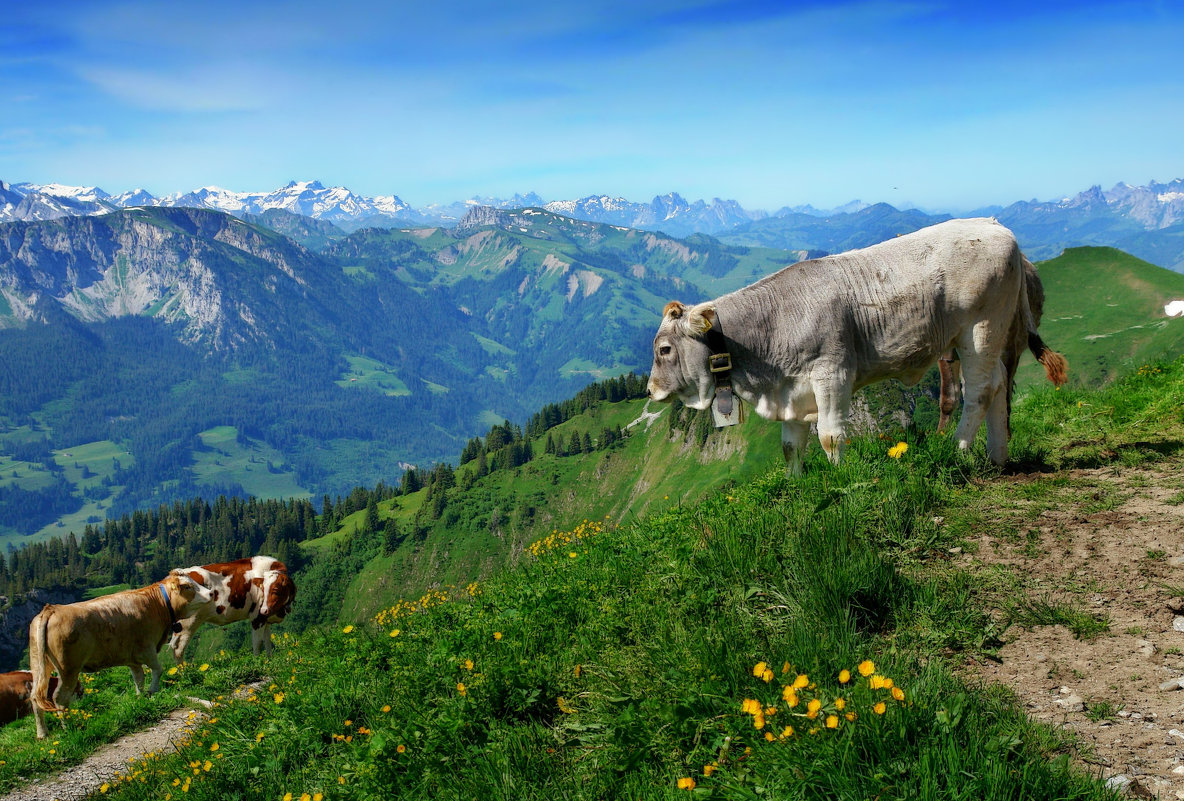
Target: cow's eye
{"type": "Point", "coordinates": [664, 350]}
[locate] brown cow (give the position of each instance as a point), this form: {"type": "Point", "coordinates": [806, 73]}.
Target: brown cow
{"type": "Point", "coordinates": [15, 691]}
{"type": "Point", "coordinates": [125, 628]}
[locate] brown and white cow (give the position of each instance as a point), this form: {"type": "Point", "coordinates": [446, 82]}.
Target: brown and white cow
{"type": "Point", "coordinates": [125, 628]}
{"type": "Point", "coordinates": [16, 689]}
{"type": "Point", "coordinates": [798, 343]}
{"type": "Point", "coordinates": [257, 588]}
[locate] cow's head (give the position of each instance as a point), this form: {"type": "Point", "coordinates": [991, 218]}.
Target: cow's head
{"type": "Point", "coordinates": [680, 356]}
{"type": "Point", "coordinates": [191, 595]}
{"type": "Point", "coordinates": [276, 593]}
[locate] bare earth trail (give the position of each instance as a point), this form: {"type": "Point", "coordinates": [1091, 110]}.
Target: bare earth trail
{"type": "Point", "coordinates": [114, 758]}
{"type": "Point", "coordinates": [1107, 542]}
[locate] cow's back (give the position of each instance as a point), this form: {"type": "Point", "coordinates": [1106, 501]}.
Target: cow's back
{"type": "Point", "coordinates": [888, 309]}
{"type": "Point", "coordinates": [104, 632]}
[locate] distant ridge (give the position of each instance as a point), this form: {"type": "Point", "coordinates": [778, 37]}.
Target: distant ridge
{"type": "Point", "coordinates": [1147, 221]}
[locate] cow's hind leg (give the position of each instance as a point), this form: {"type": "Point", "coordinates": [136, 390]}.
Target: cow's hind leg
{"type": "Point", "coordinates": [998, 428]}
{"type": "Point", "coordinates": [951, 384]}
{"type": "Point", "coordinates": [137, 677]}
{"type": "Point", "coordinates": [795, 437]}
{"type": "Point", "coordinates": [983, 380]}
{"type": "Point", "coordinates": [154, 665]}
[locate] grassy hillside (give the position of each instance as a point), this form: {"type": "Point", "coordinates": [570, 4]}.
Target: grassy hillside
{"type": "Point", "coordinates": [740, 646]}
{"type": "Point", "coordinates": [488, 522]}
{"type": "Point", "coordinates": [1104, 311]}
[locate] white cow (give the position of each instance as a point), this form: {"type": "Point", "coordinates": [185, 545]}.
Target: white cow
{"type": "Point", "coordinates": [802, 340]}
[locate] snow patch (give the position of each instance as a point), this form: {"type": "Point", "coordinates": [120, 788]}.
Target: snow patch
{"type": "Point", "coordinates": [1174, 309]}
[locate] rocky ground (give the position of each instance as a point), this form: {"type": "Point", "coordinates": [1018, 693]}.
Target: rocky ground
{"type": "Point", "coordinates": [1091, 548]}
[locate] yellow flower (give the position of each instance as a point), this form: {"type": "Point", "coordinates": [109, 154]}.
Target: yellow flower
{"type": "Point", "coordinates": [402, 748]}
{"type": "Point", "coordinates": [787, 732]}
{"type": "Point", "coordinates": [318, 796]}
{"type": "Point", "coordinates": [204, 667]}
{"type": "Point", "coordinates": [207, 765]}
{"type": "Point", "coordinates": [850, 716]}
{"type": "Point", "coordinates": [396, 632]}
{"type": "Point", "coordinates": [173, 671]}
{"type": "Point", "coordinates": [832, 721]}
{"type": "Point", "coordinates": [386, 708]}
{"type": "Point", "coordinates": [214, 747]}
{"type": "Point", "coordinates": [686, 783]}
{"type": "Point", "coordinates": [758, 720]}
{"type": "Point", "coordinates": [758, 670]}
{"type": "Point", "coordinates": [867, 667]}
{"type": "Point", "coordinates": [341, 780]}
{"type": "Point", "coordinates": [898, 693]}
{"type": "Point", "coordinates": [347, 629]}
{"type": "Point", "coordinates": [104, 788]}
{"type": "Point", "coordinates": [709, 769]}
{"type": "Point", "coordinates": [879, 708]}
{"type": "Point", "coordinates": [577, 671]}
{"type": "Point", "coordinates": [279, 698]}
{"type": "Point", "coordinates": [844, 676]}
{"type": "Point", "coordinates": [876, 682]}
{"type": "Point", "coordinates": [898, 450]}
{"type": "Point", "coordinates": [769, 736]}
{"type": "Point", "coordinates": [812, 708]}
{"type": "Point", "coordinates": [497, 635]}
{"type": "Point", "coordinates": [801, 681]}
{"type": "Point", "coordinates": [750, 706]}
{"type": "Point", "coordinates": [468, 664]}
{"type": "Point", "coordinates": [305, 797]}
{"type": "Point", "coordinates": [785, 668]}
{"type": "Point", "coordinates": [789, 696]}
{"type": "Point", "coordinates": [287, 797]}
{"type": "Point", "coordinates": [839, 704]}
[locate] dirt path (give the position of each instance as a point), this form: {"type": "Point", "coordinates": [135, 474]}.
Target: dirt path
{"type": "Point", "coordinates": [103, 765]}
{"type": "Point", "coordinates": [113, 759]}
{"type": "Point", "coordinates": [1109, 545]}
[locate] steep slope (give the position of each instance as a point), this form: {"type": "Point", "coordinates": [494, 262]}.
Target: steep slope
{"type": "Point", "coordinates": [1104, 309]}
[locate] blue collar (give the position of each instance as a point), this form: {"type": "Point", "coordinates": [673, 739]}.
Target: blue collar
{"type": "Point", "coordinates": [168, 604]}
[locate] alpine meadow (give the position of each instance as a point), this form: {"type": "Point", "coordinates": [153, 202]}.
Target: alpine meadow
{"type": "Point", "coordinates": [603, 401]}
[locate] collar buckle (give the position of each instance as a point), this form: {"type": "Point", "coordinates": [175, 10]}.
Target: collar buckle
{"type": "Point", "coordinates": [719, 362]}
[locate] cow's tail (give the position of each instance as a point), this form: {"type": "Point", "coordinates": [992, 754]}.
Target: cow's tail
{"type": "Point", "coordinates": [41, 659]}
{"type": "Point", "coordinates": [1056, 367]}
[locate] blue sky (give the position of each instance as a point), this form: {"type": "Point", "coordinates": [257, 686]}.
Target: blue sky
{"type": "Point", "coordinates": [932, 103]}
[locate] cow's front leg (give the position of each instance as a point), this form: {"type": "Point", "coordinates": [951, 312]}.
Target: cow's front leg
{"type": "Point", "coordinates": [261, 637]}
{"type": "Point", "coordinates": [833, 395]}
{"type": "Point", "coordinates": [794, 438]}
{"type": "Point", "coordinates": [179, 642]}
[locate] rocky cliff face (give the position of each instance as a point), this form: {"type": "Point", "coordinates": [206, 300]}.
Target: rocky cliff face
{"type": "Point", "coordinates": [15, 619]}
{"type": "Point", "coordinates": [183, 265]}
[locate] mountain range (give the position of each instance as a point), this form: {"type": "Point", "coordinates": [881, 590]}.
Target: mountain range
{"type": "Point", "coordinates": [1147, 221]}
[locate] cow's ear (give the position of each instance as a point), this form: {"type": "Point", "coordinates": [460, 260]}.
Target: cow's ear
{"type": "Point", "coordinates": [673, 310]}
{"type": "Point", "coordinates": [700, 319]}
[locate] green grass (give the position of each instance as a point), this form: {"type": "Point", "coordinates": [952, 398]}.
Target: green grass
{"type": "Point", "coordinates": [615, 660]}
{"type": "Point", "coordinates": [259, 469]}
{"type": "Point", "coordinates": [1032, 612]}
{"type": "Point", "coordinates": [365, 372]}
{"type": "Point", "coordinates": [1104, 311]}
{"type": "Point", "coordinates": [612, 658]}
